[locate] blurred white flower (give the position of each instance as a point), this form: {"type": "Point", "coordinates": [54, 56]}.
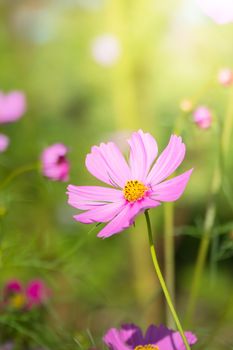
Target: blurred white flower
{"type": "Point", "coordinates": [106, 49]}
{"type": "Point", "coordinates": [221, 11]}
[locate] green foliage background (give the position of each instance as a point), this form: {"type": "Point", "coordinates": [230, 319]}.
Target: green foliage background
{"type": "Point", "coordinates": [170, 51]}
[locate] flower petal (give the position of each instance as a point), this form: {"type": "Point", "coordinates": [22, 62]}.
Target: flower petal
{"type": "Point", "coordinates": [168, 161]}
{"type": "Point", "coordinates": [85, 197]}
{"type": "Point", "coordinates": [118, 224]}
{"type": "Point", "coordinates": [4, 142]}
{"type": "Point", "coordinates": [132, 335]}
{"type": "Point", "coordinates": [168, 339]}
{"type": "Point", "coordinates": [143, 151]}
{"type": "Point", "coordinates": [12, 106]}
{"type": "Point", "coordinates": [152, 335]}
{"type": "Point", "coordinates": [113, 339]}
{"type": "Point", "coordinates": [107, 164]}
{"type": "Point", "coordinates": [172, 189]}
{"type": "Point", "coordinates": [126, 217]}
{"type": "Point", "coordinates": [220, 11]}
{"type": "Point", "coordinates": [100, 213]}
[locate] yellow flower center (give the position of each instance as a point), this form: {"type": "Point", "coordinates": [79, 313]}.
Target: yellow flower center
{"type": "Point", "coordinates": [146, 347]}
{"type": "Point", "coordinates": [17, 301]}
{"type": "Point", "coordinates": [134, 190]}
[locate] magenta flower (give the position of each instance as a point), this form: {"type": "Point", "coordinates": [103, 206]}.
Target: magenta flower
{"type": "Point", "coordinates": [202, 117]}
{"type": "Point", "coordinates": [135, 187]}
{"type": "Point", "coordinates": [13, 295]}
{"type": "Point", "coordinates": [4, 142]}
{"type": "Point", "coordinates": [13, 286]}
{"type": "Point", "coordinates": [36, 293]}
{"type": "Point", "coordinates": [130, 337]}
{"type": "Point", "coordinates": [55, 164]}
{"type": "Point", "coordinates": [225, 77]}
{"type": "Point", "coordinates": [221, 11]}
{"type": "Point", "coordinates": [12, 106]}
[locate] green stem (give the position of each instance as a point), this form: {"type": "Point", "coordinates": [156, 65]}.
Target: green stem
{"type": "Point", "coordinates": [213, 259]}
{"type": "Point", "coordinates": [169, 256]}
{"type": "Point", "coordinates": [227, 128]}
{"type": "Point", "coordinates": [204, 245]}
{"type": "Point", "coordinates": [162, 282]}
{"type": "Point", "coordinates": [169, 243]}
{"type": "Point", "coordinates": [17, 172]}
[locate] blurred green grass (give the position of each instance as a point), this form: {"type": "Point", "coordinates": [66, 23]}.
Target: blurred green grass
{"type": "Point", "coordinates": [169, 52]}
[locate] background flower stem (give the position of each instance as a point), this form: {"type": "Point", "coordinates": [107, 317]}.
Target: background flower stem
{"type": "Point", "coordinates": [217, 182]}
{"type": "Point", "coordinates": [17, 172]}
{"type": "Point", "coordinates": [169, 242]}
{"type": "Point", "coordinates": [162, 281]}
{"type": "Point", "coordinates": [127, 108]}
{"type": "Point", "coordinates": [227, 128]}
{"type": "Point", "coordinates": [204, 245]}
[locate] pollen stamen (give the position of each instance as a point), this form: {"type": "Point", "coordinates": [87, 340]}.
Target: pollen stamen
{"type": "Point", "coordinates": [17, 301]}
{"type": "Point", "coordinates": [134, 190]}
{"type": "Point", "coordinates": [146, 347]}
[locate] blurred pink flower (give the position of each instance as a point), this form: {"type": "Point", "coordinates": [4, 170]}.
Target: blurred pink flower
{"type": "Point", "coordinates": [36, 293]}
{"type": "Point", "coordinates": [221, 11]}
{"type": "Point", "coordinates": [202, 117]}
{"type": "Point", "coordinates": [17, 297]}
{"type": "Point", "coordinates": [225, 77]}
{"type": "Point", "coordinates": [4, 142]}
{"type": "Point", "coordinates": [13, 286]}
{"type": "Point", "coordinates": [13, 295]}
{"type": "Point", "coordinates": [12, 106]}
{"type": "Point", "coordinates": [106, 49]}
{"type": "Point", "coordinates": [137, 186]}
{"type": "Point", "coordinates": [130, 337]}
{"type": "Point", "coordinates": [55, 165]}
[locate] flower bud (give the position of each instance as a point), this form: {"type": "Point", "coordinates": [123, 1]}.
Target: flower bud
{"type": "Point", "coordinates": [202, 117]}
{"type": "Point", "coordinates": [55, 164]}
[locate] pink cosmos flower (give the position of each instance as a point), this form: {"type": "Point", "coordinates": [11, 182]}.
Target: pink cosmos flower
{"type": "Point", "coordinates": [135, 187]}
{"type": "Point", "coordinates": [225, 77]}
{"type": "Point", "coordinates": [130, 337]}
{"type": "Point", "coordinates": [36, 293]}
{"type": "Point", "coordinates": [202, 117]}
{"type": "Point", "coordinates": [55, 165]}
{"type": "Point", "coordinates": [221, 11]}
{"type": "Point", "coordinates": [4, 142]}
{"type": "Point", "coordinates": [12, 106]}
